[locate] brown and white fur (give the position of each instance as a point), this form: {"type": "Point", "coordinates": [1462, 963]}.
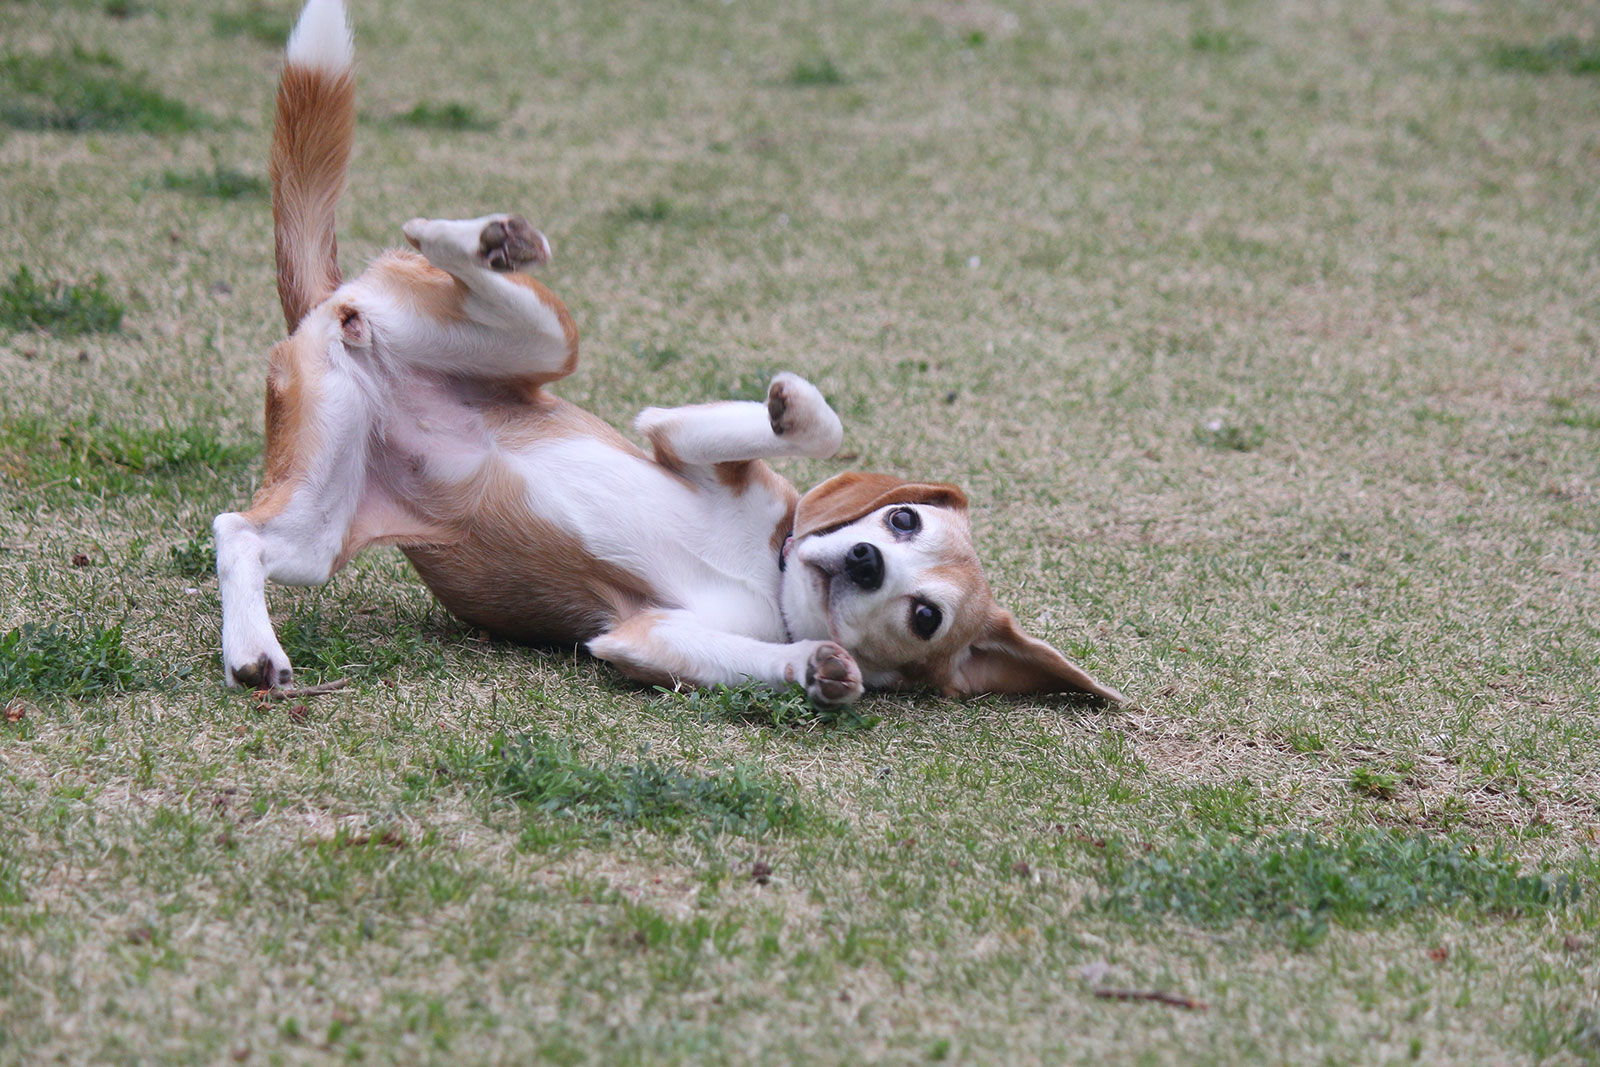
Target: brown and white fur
{"type": "Point", "coordinates": [410, 406]}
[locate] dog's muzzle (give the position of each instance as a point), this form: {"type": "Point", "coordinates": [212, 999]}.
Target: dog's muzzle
{"type": "Point", "coordinates": [863, 565]}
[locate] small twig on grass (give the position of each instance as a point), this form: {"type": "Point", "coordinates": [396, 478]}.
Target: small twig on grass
{"type": "Point", "coordinates": [304, 691]}
{"type": "Point", "coordinates": [1177, 1000]}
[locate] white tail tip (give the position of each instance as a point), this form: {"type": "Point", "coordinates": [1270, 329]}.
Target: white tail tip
{"type": "Point", "coordinates": [321, 38]}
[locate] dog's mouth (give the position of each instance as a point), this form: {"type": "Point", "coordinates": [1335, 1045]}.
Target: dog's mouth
{"type": "Point", "coordinates": [823, 580]}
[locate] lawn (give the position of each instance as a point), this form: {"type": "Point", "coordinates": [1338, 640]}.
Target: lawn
{"type": "Point", "coordinates": [1263, 336]}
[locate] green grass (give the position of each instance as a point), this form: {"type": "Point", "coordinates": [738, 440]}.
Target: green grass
{"type": "Point", "coordinates": [1260, 336]}
{"type": "Point", "coordinates": [452, 117]}
{"type": "Point", "coordinates": [324, 644]}
{"type": "Point", "coordinates": [218, 183]}
{"type": "Point", "coordinates": [93, 457]}
{"type": "Point", "coordinates": [1560, 55]}
{"type": "Point", "coordinates": [549, 776]}
{"type": "Point", "coordinates": [263, 23]}
{"type": "Point", "coordinates": [62, 308]}
{"type": "Point", "coordinates": [811, 73]}
{"type": "Point", "coordinates": [1355, 879]}
{"type": "Point", "coordinates": [81, 91]}
{"type": "Point", "coordinates": [758, 704]}
{"type": "Point", "coordinates": [78, 660]}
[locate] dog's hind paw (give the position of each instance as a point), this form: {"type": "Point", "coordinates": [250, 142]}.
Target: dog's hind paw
{"type": "Point", "coordinates": [798, 413]}
{"type": "Point", "coordinates": [496, 242]}
{"type": "Point", "coordinates": [264, 673]}
{"type": "Point", "coordinates": [509, 242]}
{"type": "Point", "coordinates": [832, 677]}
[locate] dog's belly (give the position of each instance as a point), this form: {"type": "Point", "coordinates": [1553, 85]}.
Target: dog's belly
{"type": "Point", "coordinates": [564, 537]}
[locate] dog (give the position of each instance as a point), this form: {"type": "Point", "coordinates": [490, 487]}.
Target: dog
{"type": "Point", "coordinates": [411, 406]}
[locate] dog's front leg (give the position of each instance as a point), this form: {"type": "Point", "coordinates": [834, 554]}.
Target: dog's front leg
{"type": "Point", "coordinates": [793, 421]}
{"type": "Point", "coordinates": [667, 647]}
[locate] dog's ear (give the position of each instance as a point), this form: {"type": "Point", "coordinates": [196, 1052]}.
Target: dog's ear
{"type": "Point", "coordinates": [1005, 659]}
{"type": "Point", "coordinates": [844, 498]}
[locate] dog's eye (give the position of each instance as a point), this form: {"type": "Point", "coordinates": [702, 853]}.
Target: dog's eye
{"type": "Point", "coordinates": [925, 619]}
{"type": "Point", "coordinates": [904, 520]}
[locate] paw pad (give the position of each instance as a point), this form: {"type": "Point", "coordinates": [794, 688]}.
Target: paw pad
{"type": "Point", "coordinates": [511, 242]}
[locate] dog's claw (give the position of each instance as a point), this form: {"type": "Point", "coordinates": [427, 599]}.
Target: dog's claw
{"type": "Point", "coordinates": [832, 677]}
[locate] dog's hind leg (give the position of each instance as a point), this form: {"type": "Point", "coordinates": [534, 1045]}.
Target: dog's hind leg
{"type": "Point", "coordinates": [794, 421]}
{"type": "Point", "coordinates": [316, 508]}
{"type": "Point", "coordinates": [474, 313]}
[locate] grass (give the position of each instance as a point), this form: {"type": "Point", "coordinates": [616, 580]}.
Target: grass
{"type": "Point", "coordinates": [1261, 338]}
{"type": "Point", "coordinates": [547, 775]}
{"type": "Point", "coordinates": [263, 23]}
{"type": "Point", "coordinates": [218, 183]}
{"type": "Point", "coordinates": [811, 73]}
{"type": "Point", "coordinates": [1560, 55]}
{"type": "Point", "coordinates": [94, 457]}
{"type": "Point", "coordinates": [451, 117]}
{"type": "Point", "coordinates": [62, 308]}
{"type": "Point", "coordinates": [38, 661]}
{"type": "Point", "coordinates": [80, 91]}
{"type": "Point", "coordinates": [1356, 879]}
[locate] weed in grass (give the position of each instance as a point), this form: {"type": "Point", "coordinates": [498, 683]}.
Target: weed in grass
{"type": "Point", "coordinates": [1374, 782]}
{"type": "Point", "coordinates": [81, 90]}
{"type": "Point", "coordinates": [458, 118]}
{"type": "Point", "coordinates": [218, 183]}
{"type": "Point", "coordinates": [1307, 880]}
{"type": "Point", "coordinates": [1219, 42]}
{"type": "Point", "coordinates": [257, 21]}
{"type": "Point", "coordinates": [820, 71]}
{"type": "Point", "coordinates": [548, 775]}
{"type": "Point", "coordinates": [96, 458]}
{"type": "Point", "coordinates": [195, 558]}
{"type": "Point", "coordinates": [1228, 437]}
{"type": "Point", "coordinates": [656, 209]}
{"type": "Point", "coordinates": [757, 703]}
{"type": "Point", "coordinates": [657, 357]}
{"type": "Point", "coordinates": [70, 661]}
{"type": "Point", "coordinates": [1562, 55]}
{"type": "Point", "coordinates": [1568, 414]}
{"type": "Point", "coordinates": [62, 308]}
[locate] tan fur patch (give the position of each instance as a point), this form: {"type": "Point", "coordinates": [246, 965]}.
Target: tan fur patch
{"type": "Point", "coordinates": [294, 373]}
{"type": "Point", "coordinates": [631, 646]}
{"type": "Point", "coordinates": [429, 290]}
{"type": "Point", "coordinates": [514, 574]}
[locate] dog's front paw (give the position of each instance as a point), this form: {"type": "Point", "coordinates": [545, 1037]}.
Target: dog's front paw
{"type": "Point", "coordinates": [509, 242]}
{"type": "Point", "coordinates": [798, 413]}
{"type": "Point", "coordinates": [832, 677]}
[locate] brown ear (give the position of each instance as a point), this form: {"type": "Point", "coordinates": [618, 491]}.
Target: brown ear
{"type": "Point", "coordinates": [1004, 659]}
{"type": "Point", "coordinates": [844, 498]}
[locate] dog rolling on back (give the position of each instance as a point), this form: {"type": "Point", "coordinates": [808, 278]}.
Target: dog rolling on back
{"type": "Point", "coordinates": [411, 406]}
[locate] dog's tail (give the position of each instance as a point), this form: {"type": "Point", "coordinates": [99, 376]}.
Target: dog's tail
{"type": "Point", "coordinates": [311, 138]}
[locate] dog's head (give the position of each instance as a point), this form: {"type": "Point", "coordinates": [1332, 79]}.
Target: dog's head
{"type": "Point", "coordinates": [886, 568]}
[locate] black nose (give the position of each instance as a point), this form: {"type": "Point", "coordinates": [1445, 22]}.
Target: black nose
{"type": "Point", "coordinates": [864, 565]}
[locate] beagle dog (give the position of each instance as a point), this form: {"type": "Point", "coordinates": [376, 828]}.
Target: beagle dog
{"type": "Point", "coordinates": [411, 406]}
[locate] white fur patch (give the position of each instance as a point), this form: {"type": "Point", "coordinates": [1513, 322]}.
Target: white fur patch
{"type": "Point", "coordinates": [321, 38]}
